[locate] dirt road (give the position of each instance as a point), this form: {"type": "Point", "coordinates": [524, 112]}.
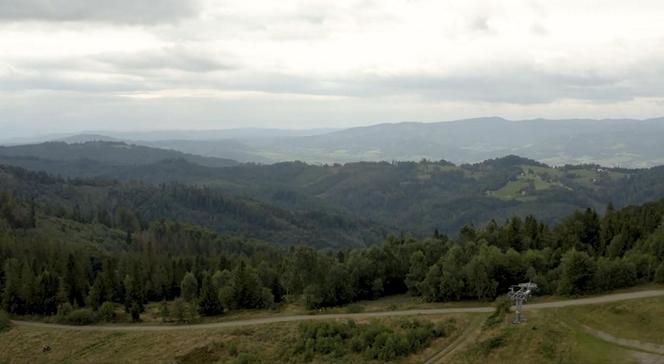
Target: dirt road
{"type": "Point", "coordinates": [357, 316]}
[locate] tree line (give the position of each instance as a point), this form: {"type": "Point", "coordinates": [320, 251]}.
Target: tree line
{"type": "Point", "coordinates": [44, 271]}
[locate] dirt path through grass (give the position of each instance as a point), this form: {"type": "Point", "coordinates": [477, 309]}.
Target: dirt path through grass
{"type": "Point", "coordinates": [466, 336]}
{"type": "Point", "coordinates": [633, 344]}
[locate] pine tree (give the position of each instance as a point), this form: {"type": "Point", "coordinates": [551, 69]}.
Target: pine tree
{"type": "Point", "coordinates": [47, 293]}
{"type": "Point", "coordinates": [134, 297]}
{"type": "Point", "coordinates": [208, 299]}
{"type": "Point", "coordinates": [164, 312]}
{"type": "Point", "coordinates": [245, 288]}
{"type": "Point", "coordinates": [97, 294]}
{"type": "Point", "coordinates": [29, 289]}
{"type": "Point", "coordinates": [32, 221]}
{"type": "Point", "coordinates": [11, 297]}
{"type": "Point", "coordinates": [221, 279]}
{"type": "Point", "coordinates": [189, 287]}
{"type": "Point", "coordinates": [73, 280]}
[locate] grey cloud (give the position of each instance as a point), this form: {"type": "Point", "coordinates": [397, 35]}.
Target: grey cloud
{"type": "Point", "coordinates": [22, 82]}
{"type": "Point", "coordinates": [481, 24]}
{"type": "Point", "coordinates": [116, 11]}
{"type": "Point", "coordinates": [174, 58]}
{"type": "Point", "coordinates": [515, 84]}
{"type": "Point", "coordinates": [538, 29]}
{"type": "Point", "coordinates": [112, 72]}
{"type": "Point", "coordinates": [518, 85]}
{"type": "Point", "coordinates": [521, 85]}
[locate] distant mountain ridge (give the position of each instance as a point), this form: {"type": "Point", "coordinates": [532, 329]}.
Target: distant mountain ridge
{"type": "Point", "coordinates": [611, 142]}
{"type": "Point", "coordinates": [107, 152]}
{"type": "Point", "coordinates": [626, 143]}
{"type": "Point", "coordinates": [85, 138]}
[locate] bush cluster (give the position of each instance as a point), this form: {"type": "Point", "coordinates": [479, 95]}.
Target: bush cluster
{"type": "Point", "coordinates": [374, 340]}
{"type": "Point", "coordinates": [79, 316]}
{"type": "Point", "coordinates": [503, 306]}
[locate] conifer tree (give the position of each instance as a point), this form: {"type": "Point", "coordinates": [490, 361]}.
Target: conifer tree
{"type": "Point", "coordinates": [208, 299]}
{"type": "Point", "coordinates": [189, 287]}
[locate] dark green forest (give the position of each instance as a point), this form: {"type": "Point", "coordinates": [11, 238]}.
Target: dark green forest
{"type": "Point", "coordinates": [131, 206]}
{"type": "Point", "coordinates": [69, 246]}
{"type": "Point", "coordinates": [333, 205]}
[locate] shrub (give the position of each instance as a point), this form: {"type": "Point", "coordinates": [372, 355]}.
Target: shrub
{"type": "Point", "coordinates": [180, 310]}
{"type": "Point", "coordinates": [232, 348]}
{"type": "Point", "coordinates": [354, 308]}
{"type": "Point", "coordinates": [5, 323]}
{"type": "Point", "coordinates": [164, 312]}
{"type": "Point", "coordinates": [313, 297]}
{"type": "Point", "coordinates": [106, 312]}
{"type": "Point", "coordinates": [503, 305]}
{"type": "Point", "coordinates": [373, 340]}
{"type": "Point", "coordinates": [659, 274]}
{"type": "Point", "coordinates": [487, 346]}
{"type": "Point", "coordinates": [324, 338]}
{"type": "Point", "coordinates": [446, 327]}
{"type": "Point", "coordinates": [64, 310]}
{"type": "Point", "coordinates": [135, 311]}
{"type": "Point", "coordinates": [81, 316]}
{"type": "Point", "coordinates": [246, 358]}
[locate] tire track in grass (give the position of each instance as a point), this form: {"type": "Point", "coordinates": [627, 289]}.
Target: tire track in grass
{"type": "Point", "coordinates": [467, 335]}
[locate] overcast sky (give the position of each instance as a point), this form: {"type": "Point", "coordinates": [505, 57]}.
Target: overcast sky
{"type": "Point", "coordinates": [68, 65]}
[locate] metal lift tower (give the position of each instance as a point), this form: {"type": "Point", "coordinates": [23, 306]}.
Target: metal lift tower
{"type": "Point", "coordinates": [519, 294]}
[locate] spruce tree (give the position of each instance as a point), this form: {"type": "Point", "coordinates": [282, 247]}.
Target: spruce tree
{"type": "Point", "coordinates": [208, 299]}
{"type": "Point", "coordinates": [189, 287]}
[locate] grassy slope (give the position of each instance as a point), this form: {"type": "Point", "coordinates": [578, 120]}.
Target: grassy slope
{"type": "Point", "coordinates": [638, 320]}
{"type": "Point", "coordinates": [266, 343]}
{"type": "Point", "coordinates": [549, 336]}
{"type": "Point", "coordinates": [543, 339]}
{"type": "Point", "coordinates": [555, 336]}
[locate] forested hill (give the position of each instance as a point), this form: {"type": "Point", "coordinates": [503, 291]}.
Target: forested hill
{"type": "Point", "coordinates": [107, 152]}
{"type": "Point", "coordinates": [54, 260]}
{"type": "Point", "coordinates": [415, 197]}
{"type": "Point", "coordinates": [130, 206]}
{"type": "Point", "coordinates": [420, 197]}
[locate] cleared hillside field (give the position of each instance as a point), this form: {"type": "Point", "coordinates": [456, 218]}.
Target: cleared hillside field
{"type": "Point", "coordinates": [554, 335]}
{"type": "Point", "coordinates": [573, 335]}
{"type": "Point", "coordinates": [274, 343]}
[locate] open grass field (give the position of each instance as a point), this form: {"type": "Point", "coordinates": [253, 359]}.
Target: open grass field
{"type": "Point", "coordinates": [272, 343]}
{"type": "Point", "coordinates": [637, 319]}
{"type": "Point", "coordinates": [558, 335]}
{"type": "Point", "coordinates": [520, 188]}
{"type": "Point", "coordinates": [543, 339]}
{"type": "Point", "coordinates": [555, 335]}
